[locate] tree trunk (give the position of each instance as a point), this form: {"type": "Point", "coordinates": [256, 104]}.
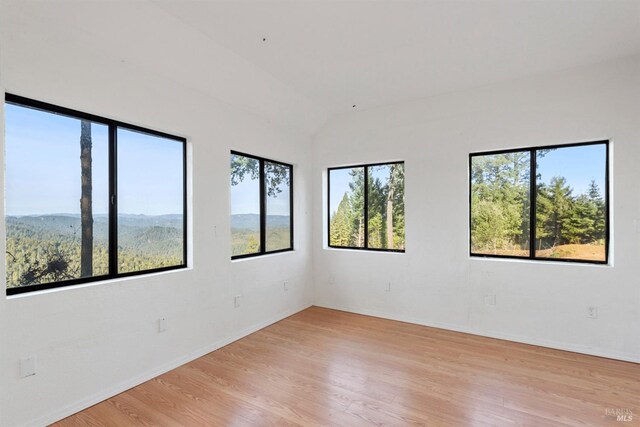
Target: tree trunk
{"type": "Point", "coordinates": [86, 202]}
{"type": "Point", "coordinates": [390, 195]}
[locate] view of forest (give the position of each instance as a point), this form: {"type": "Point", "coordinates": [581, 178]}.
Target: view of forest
{"type": "Point", "coordinates": [570, 223]}
{"type": "Point", "coordinates": [57, 190]}
{"type": "Point", "coordinates": [47, 248]}
{"type": "Point", "coordinates": [57, 199]}
{"type": "Point", "coordinates": [245, 233]}
{"type": "Point", "coordinates": [385, 207]}
{"type": "Point", "coordinates": [245, 205]}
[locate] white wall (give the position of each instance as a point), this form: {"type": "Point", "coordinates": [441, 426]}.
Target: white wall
{"type": "Point", "coordinates": [435, 282]}
{"type": "Point", "coordinates": [94, 341]}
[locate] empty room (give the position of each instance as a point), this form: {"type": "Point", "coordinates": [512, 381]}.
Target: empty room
{"type": "Point", "coordinates": [320, 213]}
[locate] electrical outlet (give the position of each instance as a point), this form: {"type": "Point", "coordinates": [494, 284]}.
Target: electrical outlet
{"type": "Point", "coordinates": [162, 324]}
{"type": "Point", "coordinates": [285, 286]}
{"type": "Point", "coordinates": [28, 366]}
{"type": "Point", "coordinates": [236, 301]}
{"type": "Point", "coordinates": [592, 312]}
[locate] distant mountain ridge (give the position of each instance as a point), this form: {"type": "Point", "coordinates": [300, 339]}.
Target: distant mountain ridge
{"type": "Point", "coordinates": [252, 221]}
{"type": "Point", "coordinates": [132, 229]}
{"type": "Point", "coordinates": [63, 222]}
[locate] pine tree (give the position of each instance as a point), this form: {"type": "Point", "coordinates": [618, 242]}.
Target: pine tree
{"type": "Point", "coordinates": [356, 200]}
{"type": "Point", "coordinates": [599, 226]}
{"type": "Point", "coordinates": [578, 224]}
{"type": "Point", "coordinates": [558, 210]}
{"type": "Point", "coordinates": [341, 224]}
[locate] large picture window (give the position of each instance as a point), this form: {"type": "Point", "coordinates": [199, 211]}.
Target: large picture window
{"type": "Point", "coordinates": [366, 207]}
{"type": "Point", "coordinates": [88, 198]}
{"type": "Point", "coordinates": [261, 206]}
{"type": "Point", "coordinates": [545, 203]}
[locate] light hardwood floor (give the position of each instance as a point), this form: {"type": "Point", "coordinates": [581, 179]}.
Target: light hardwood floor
{"type": "Point", "coordinates": [327, 367]}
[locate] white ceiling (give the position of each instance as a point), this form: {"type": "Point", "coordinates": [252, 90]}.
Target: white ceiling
{"type": "Point", "coordinates": [321, 57]}
{"type": "Point", "coordinates": [373, 53]}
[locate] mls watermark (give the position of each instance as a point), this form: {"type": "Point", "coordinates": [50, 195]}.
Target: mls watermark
{"type": "Point", "coordinates": [621, 414]}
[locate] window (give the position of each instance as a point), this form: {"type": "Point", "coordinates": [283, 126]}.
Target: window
{"type": "Point", "coordinates": [88, 198]}
{"type": "Point", "coordinates": [545, 203]}
{"type": "Point", "coordinates": [261, 206]}
{"type": "Point", "coordinates": [366, 207]}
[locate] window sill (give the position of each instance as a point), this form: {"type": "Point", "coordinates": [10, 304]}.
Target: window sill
{"type": "Point", "coordinates": [541, 262]}
{"type": "Point", "coordinates": [260, 256]}
{"type": "Point", "coordinates": [362, 250]}
{"type": "Point", "coordinates": [97, 283]}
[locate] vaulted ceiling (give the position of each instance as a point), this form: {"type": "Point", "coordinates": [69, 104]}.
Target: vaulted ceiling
{"type": "Point", "coordinates": [372, 53]}
{"type": "Point", "coordinates": [310, 60]}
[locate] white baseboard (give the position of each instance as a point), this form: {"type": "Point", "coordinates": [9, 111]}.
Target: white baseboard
{"type": "Point", "coordinates": [626, 357]}
{"type": "Point", "coordinates": [146, 376]}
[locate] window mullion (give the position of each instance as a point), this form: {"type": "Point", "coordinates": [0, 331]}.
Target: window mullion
{"type": "Point", "coordinates": [532, 204]}
{"type": "Point", "coordinates": [113, 200]}
{"type": "Point", "coordinates": [263, 208]}
{"type": "Point", "coordinates": [291, 206]}
{"type": "Point", "coordinates": [366, 207]}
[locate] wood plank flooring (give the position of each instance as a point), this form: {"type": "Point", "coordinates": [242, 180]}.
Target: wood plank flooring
{"type": "Point", "coordinates": [327, 367]}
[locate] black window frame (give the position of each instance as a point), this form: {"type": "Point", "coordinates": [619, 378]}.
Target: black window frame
{"type": "Point", "coordinates": [113, 126]}
{"type": "Point", "coordinates": [263, 206]}
{"type": "Point", "coordinates": [532, 202]}
{"type": "Point", "coordinates": [366, 247]}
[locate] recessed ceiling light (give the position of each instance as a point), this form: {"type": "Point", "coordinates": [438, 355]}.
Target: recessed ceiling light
{"type": "Point", "coordinates": [264, 39]}
{"type": "Point", "coordinates": [354, 106]}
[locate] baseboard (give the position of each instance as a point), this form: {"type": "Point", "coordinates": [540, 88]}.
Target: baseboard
{"type": "Point", "coordinates": [625, 357]}
{"type": "Point", "coordinates": [146, 376]}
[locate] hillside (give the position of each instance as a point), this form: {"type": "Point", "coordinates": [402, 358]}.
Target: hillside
{"type": "Point", "coordinates": [35, 241]}
{"type": "Point", "coordinates": [252, 221]}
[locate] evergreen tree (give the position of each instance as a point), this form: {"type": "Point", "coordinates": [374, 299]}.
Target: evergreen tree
{"type": "Point", "coordinates": [599, 223]}
{"type": "Point", "coordinates": [500, 208]}
{"type": "Point", "coordinates": [579, 223]}
{"type": "Point", "coordinates": [356, 187]}
{"type": "Point", "coordinates": [555, 203]}
{"type": "Point", "coordinates": [342, 224]}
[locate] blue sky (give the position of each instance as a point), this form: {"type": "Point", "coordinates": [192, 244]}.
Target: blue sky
{"type": "Point", "coordinates": [150, 174]}
{"type": "Point", "coordinates": [245, 198]}
{"type": "Point", "coordinates": [43, 167]}
{"type": "Point", "coordinates": [340, 179]}
{"type": "Point", "coordinates": [579, 165]}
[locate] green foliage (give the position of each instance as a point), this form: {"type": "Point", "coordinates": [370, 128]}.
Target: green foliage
{"type": "Point", "coordinates": [385, 210]}
{"type": "Point", "coordinates": [500, 208]}
{"type": "Point", "coordinates": [377, 238]}
{"type": "Point", "coordinates": [245, 228]}
{"type": "Point", "coordinates": [356, 203]}
{"type": "Point", "coordinates": [47, 248]}
{"type": "Point", "coordinates": [275, 174]}
{"type": "Point", "coordinates": [500, 202]}
{"type": "Point", "coordinates": [341, 224]}
{"type": "Point", "coordinates": [247, 241]}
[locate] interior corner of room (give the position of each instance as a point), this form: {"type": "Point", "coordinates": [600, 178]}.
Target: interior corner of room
{"type": "Point", "coordinates": [320, 213]}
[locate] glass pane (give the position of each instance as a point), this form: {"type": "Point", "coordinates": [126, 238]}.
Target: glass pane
{"type": "Point", "coordinates": [57, 203]}
{"type": "Point", "coordinates": [278, 224]}
{"type": "Point", "coordinates": [346, 207]}
{"type": "Point", "coordinates": [500, 204]}
{"type": "Point", "coordinates": [386, 206]}
{"type": "Point", "coordinates": [150, 202]}
{"type": "Point", "coordinates": [245, 205]}
{"type": "Point", "coordinates": [570, 203]}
